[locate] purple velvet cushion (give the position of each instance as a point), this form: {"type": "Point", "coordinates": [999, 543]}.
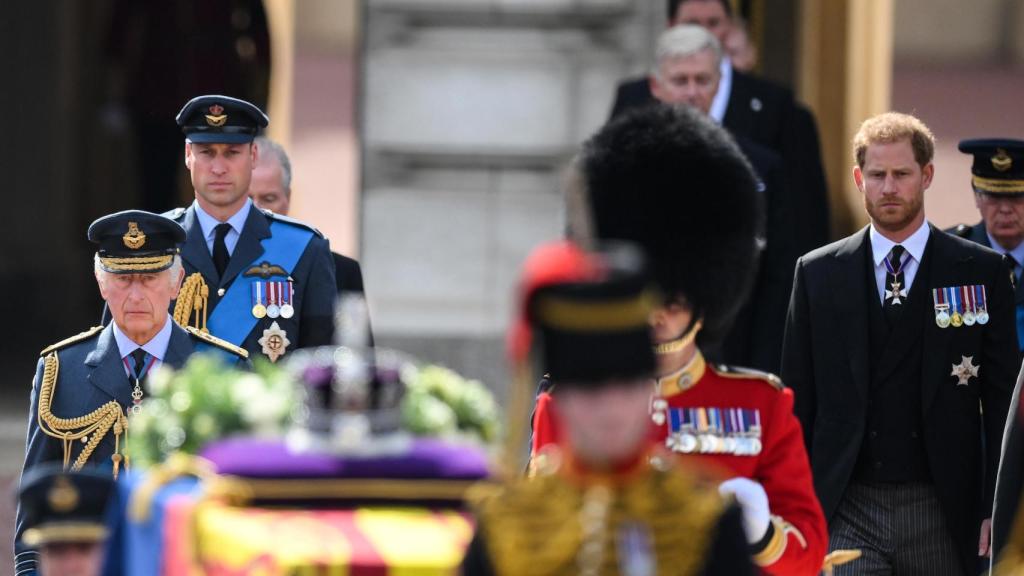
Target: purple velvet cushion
{"type": "Point", "coordinates": [268, 458]}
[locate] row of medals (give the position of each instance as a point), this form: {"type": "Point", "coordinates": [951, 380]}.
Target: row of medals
{"type": "Point", "coordinates": [944, 319]}
{"type": "Point", "coordinates": [689, 441]}
{"type": "Point", "coordinates": [273, 310]}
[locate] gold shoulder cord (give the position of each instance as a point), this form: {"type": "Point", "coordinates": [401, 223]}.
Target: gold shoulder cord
{"type": "Point", "coordinates": [192, 298]}
{"type": "Point", "coordinates": [90, 428]}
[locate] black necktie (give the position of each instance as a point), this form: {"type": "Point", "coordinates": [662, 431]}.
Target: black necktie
{"type": "Point", "coordinates": [895, 286]}
{"type": "Point", "coordinates": [139, 357]}
{"type": "Point", "coordinates": [220, 249]}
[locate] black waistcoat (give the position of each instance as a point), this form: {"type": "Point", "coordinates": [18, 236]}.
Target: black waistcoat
{"type": "Point", "coordinates": [892, 450]}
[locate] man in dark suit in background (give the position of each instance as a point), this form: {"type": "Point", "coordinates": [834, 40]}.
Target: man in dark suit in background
{"type": "Point", "coordinates": [757, 109]}
{"type": "Point", "coordinates": [894, 336]}
{"type": "Point", "coordinates": [271, 189]}
{"type": "Point", "coordinates": [687, 73]}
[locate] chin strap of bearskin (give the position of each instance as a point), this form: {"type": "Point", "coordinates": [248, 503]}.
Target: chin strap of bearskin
{"type": "Point", "coordinates": [673, 346]}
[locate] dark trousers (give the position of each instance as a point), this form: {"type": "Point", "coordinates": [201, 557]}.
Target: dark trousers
{"type": "Point", "coordinates": [899, 529]}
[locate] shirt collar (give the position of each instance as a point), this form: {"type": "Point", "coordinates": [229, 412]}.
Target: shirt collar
{"type": "Point", "coordinates": [1017, 253]}
{"type": "Point", "coordinates": [157, 345]}
{"type": "Point", "coordinates": [208, 223]}
{"type": "Point", "coordinates": [720, 102]}
{"type": "Point", "coordinates": [915, 244]}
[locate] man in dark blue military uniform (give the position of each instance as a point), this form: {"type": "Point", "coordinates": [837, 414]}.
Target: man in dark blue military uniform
{"type": "Point", "coordinates": [86, 386]}
{"type": "Point", "coordinates": [259, 280]}
{"type": "Point", "coordinates": [997, 177]}
{"type": "Point", "coordinates": [998, 182]}
{"type": "Point", "coordinates": [65, 515]}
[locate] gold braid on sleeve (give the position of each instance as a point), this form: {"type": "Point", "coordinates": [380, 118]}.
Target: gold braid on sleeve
{"type": "Point", "coordinates": [90, 428]}
{"type": "Point", "coordinates": [192, 299]}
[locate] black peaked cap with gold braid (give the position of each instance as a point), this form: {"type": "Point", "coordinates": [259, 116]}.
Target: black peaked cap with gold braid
{"type": "Point", "coordinates": [998, 167]}
{"type": "Point", "coordinates": [136, 242]}
{"type": "Point", "coordinates": [593, 328]}
{"type": "Point", "coordinates": [214, 118]}
{"type": "Point", "coordinates": [675, 183]}
{"type": "Point", "coordinates": [64, 507]}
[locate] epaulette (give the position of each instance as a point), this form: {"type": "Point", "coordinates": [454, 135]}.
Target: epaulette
{"type": "Point", "coordinates": [961, 230]}
{"type": "Point", "coordinates": [174, 214]}
{"type": "Point", "coordinates": [289, 220]}
{"type": "Point", "coordinates": [211, 339]}
{"type": "Point", "coordinates": [72, 340]}
{"type": "Point", "coordinates": [750, 373]}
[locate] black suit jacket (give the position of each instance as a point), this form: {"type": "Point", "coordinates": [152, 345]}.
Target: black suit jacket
{"type": "Point", "coordinates": [825, 361]}
{"type": "Point", "coordinates": [767, 114]}
{"type": "Point", "coordinates": [755, 339]}
{"type": "Point", "coordinates": [349, 277]}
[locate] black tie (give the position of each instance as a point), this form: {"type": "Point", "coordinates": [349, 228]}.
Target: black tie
{"type": "Point", "coordinates": [220, 249]}
{"type": "Point", "coordinates": [139, 357]}
{"type": "Point", "coordinates": [895, 286]}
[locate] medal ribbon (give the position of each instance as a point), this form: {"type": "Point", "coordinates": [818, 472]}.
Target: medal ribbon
{"type": "Point", "coordinates": [898, 270]}
{"type": "Point", "coordinates": [150, 360]}
{"type": "Point", "coordinates": [231, 320]}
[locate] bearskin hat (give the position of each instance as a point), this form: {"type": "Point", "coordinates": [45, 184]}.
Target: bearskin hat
{"type": "Point", "coordinates": [675, 183]}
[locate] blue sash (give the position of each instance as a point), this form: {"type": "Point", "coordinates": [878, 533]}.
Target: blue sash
{"type": "Point", "coordinates": [232, 319]}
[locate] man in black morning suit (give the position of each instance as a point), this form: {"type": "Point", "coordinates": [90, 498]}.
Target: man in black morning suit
{"type": "Point", "coordinates": [687, 74]}
{"type": "Point", "coordinates": [891, 344]}
{"type": "Point", "coordinates": [754, 108]}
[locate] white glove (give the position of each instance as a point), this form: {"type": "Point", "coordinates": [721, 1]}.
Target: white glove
{"type": "Point", "coordinates": [753, 502]}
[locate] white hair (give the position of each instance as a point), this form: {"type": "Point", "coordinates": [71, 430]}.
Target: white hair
{"type": "Point", "coordinates": [686, 40]}
{"type": "Point", "coordinates": [266, 145]}
{"type": "Point", "coordinates": [101, 274]}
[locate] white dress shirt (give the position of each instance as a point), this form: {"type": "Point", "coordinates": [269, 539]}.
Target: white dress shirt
{"type": "Point", "coordinates": [208, 224]}
{"type": "Point", "coordinates": [721, 100]}
{"type": "Point", "coordinates": [156, 347]}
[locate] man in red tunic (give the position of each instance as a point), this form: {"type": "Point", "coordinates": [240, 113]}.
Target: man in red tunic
{"type": "Point", "coordinates": [693, 207]}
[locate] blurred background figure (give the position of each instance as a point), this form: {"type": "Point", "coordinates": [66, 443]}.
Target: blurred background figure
{"type": "Point", "coordinates": [65, 519]}
{"type": "Point", "coordinates": [584, 321]}
{"type": "Point", "coordinates": [763, 111]}
{"type": "Point", "coordinates": [739, 47]}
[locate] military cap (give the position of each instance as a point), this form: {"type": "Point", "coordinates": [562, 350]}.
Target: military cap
{"type": "Point", "coordinates": [585, 314]}
{"type": "Point", "coordinates": [221, 119]}
{"type": "Point", "coordinates": [136, 242]}
{"type": "Point", "coordinates": [64, 507]}
{"type": "Point", "coordinates": [675, 183]}
{"type": "Point", "coordinates": [998, 166]}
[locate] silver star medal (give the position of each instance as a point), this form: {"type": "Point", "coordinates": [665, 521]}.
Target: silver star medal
{"type": "Point", "coordinates": [965, 370]}
{"type": "Point", "coordinates": [896, 293]}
